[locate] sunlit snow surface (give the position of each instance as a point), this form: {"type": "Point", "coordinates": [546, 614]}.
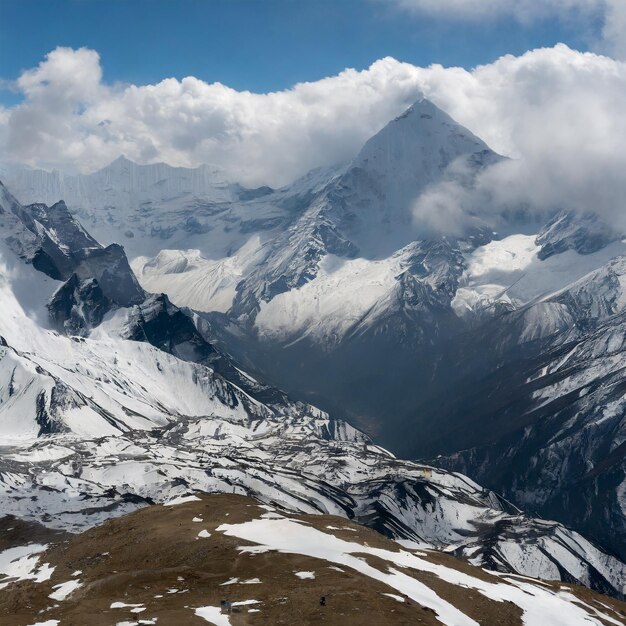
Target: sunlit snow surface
{"type": "Point", "coordinates": [329, 305]}
{"type": "Point", "coordinates": [22, 563]}
{"type": "Point", "coordinates": [539, 606]}
{"type": "Point", "coordinates": [213, 614]}
{"type": "Point", "coordinates": [63, 590]}
{"type": "Point", "coordinates": [192, 280]}
{"type": "Point", "coordinates": [345, 291]}
{"type": "Point", "coordinates": [509, 270]}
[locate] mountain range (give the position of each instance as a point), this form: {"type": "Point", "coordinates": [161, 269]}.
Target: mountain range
{"type": "Point", "coordinates": [166, 331]}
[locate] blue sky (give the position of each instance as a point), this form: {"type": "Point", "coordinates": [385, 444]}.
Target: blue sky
{"type": "Point", "coordinates": [260, 45]}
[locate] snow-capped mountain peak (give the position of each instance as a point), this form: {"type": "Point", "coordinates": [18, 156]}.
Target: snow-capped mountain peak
{"type": "Point", "coordinates": [375, 199]}
{"type": "Point", "coordinates": [424, 136]}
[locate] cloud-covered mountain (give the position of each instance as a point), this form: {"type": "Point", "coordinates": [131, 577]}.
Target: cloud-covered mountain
{"type": "Point", "coordinates": [557, 109]}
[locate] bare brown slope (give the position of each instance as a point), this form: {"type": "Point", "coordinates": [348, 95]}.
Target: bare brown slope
{"type": "Point", "coordinates": [155, 558]}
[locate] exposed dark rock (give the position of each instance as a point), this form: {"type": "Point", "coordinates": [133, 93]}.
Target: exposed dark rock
{"type": "Point", "coordinates": [78, 306]}
{"type": "Point", "coordinates": [252, 194]}
{"type": "Point", "coordinates": [109, 266]}
{"type": "Point", "coordinates": [567, 231]}
{"type": "Point", "coordinates": [160, 323]}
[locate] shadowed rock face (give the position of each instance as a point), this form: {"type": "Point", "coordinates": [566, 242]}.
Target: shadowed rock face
{"type": "Point", "coordinates": [62, 243]}
{"type": "Point", "coordinates": [53, 245]}
{"type": "Point", "coordinates": [100, 282]}
{"type": "Point", "coordinates": [158, 322]}
{"type": "Point", "coordinates": [78, 305]}
{"type": "Point", "coordinates": [109, 267]}
{"type": "Point", "coordinates": [96, 278]}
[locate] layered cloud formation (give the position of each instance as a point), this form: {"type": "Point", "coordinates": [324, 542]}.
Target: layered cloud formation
{"type": "Point", "coordinates": [557, 111]}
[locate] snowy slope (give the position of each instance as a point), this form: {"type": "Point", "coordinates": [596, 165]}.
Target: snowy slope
{"type": "Point", "coordinates": [511, 271]}
{"type": "Point", "coordinates": [557, 418]}
{"type": "Point", "coordinates": [379, 192]}
{"type": "Point", "coordinates": [112, 200]}
{"type": "Point", "coordinates": [325, 308]}
{"type": "Point", "coordinates": [192, 280]}
{"type": "Point", "coordinates": [368, 211]}
{"type": "Point", "coordinates": [213, 246]}
{"type": "Point", "coordinates": [96, 425]}
{"type": "Point", "coordinates": [150, 207]}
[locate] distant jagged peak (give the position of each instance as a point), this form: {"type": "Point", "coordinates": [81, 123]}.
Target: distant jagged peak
{"type": "Point", "coordinates": [424, 111]}
{"type": "Point", "coordinates": [122, 160]}
{"type": "Point", "coordinates": [122, 163]}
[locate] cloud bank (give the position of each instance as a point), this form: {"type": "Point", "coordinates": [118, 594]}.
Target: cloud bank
{"type": "Point", "coordinates": [557, 111]}
{"type": "Point", "coordinates": [71, 119]}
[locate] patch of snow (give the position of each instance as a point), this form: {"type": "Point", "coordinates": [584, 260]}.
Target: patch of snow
{"type": "Point", "coordinates": [394, 597]}
{"type": "Point", "coordinates": [330, 304]}
{"type": "Point", "coordinates": [509, 270]}
{"type": "Point", "coordinates": [290, 537]}
{"type": "Point", "coordinates": [539, 605]}
{"type": "Point", "coordinates": [189, 279]}
{"type": "Point", "coordinates": [63, 590]}
{"type": "Point", "coordinates": [409, 544]}
{"type": "Point", "coordinates": [181, 500]}
{"type": "Point", "coordinates": [305, 575]}
{"type": "Point", "coordinates": [213, 614]}
{"type": "Point", "coordinates": [21, 563]}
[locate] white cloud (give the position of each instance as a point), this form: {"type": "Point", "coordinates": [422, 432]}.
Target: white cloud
{"type": "Point", "coordinates": [523, 10]}
{"type": "Point", "coordinates": [69, 118]}
{"type": "Point", "coordinates": [614, 30]}
{"type": "Point", "coordinates": [583, 14]}
{"type": "Point", "coordinates": [559, 112]}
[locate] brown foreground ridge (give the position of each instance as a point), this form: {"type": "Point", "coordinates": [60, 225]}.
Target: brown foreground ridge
{"type": "Point", "coordinates": [162, 564]}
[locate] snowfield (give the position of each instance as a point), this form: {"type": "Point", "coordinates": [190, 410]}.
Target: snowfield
{"type": "Point", "coordinates": [509, 270]}
{"type": "Point", "coordinates": [540, 606]}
